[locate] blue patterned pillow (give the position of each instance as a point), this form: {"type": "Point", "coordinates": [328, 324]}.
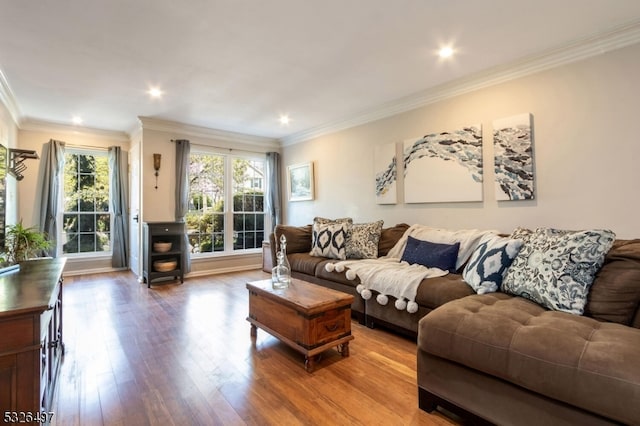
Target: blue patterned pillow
{"type": "Point", "coordinates": [489, 263]}
{"type": "Point", "coordinates": [555, 268]}
{"type": "Point", "coordinates": [431, 255]}
{"type": "Point", "coordinates": [328, 240]}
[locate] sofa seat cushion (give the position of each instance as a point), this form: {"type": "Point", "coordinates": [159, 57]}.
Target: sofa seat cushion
{"type": "Point", "coordinates": [305, 263]}
{"type": "Point", "coordinates": [433, 292]}
{"type": "Point", "coordinates": [581, 361]}
{"type": "Point", "coordinates": [339, 277]}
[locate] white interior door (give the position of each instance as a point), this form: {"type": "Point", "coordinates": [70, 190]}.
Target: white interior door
{"type": "Point", "coordinates": [135, 215]}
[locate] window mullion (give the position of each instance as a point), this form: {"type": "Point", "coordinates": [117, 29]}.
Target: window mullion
{"type": "Point", "coordinates": [228, 204]}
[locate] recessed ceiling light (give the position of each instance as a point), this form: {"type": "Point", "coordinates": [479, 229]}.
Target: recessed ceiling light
{"type": "Point", "coordinates": [284, 120]}
{"type": "Point", "coordinates": [77, 120]}
{"type": "Point", "coordinates": [155, 92]}
{"type": "Point", "coordinates": [445, 52]}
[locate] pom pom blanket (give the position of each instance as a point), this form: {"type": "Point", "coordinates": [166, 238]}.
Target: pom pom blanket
{"type": "Point", "coordinates": [389, 277]}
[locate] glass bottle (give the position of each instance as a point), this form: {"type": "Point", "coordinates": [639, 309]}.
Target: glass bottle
{"type": "Point", "coordinates": [283, 249]}
{"type": "Point", "coordinates": [281, 273]}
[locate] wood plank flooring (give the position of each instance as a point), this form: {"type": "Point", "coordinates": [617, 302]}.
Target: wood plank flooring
{"type": "Point", "coordinates": [183, 355]}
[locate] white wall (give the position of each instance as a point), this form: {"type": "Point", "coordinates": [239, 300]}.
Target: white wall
{"type": "Point", "coordinates": [9, 138]}
{"type": "Point", "coordinates": [586, 153]}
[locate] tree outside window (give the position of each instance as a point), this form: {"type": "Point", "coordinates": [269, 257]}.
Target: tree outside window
{"type": "Point", "coordinates": [212, 206]}
{"type": "Point", "coordinates": [86, 219]}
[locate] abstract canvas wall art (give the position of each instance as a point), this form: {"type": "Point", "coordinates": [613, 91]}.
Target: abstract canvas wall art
{"type": "Point", "coordinates": [513, 153]}
{"type": "Point", "coordinates": [444, 167]}
{"type": "Point", "coordinates": [385, 167]}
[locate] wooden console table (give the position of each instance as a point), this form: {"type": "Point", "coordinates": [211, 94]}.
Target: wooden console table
{"type": "Point", "coordinates": [31, 347]}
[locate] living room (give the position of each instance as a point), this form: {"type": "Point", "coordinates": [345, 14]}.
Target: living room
{"type": "Point", "coordinates": [583, 106]}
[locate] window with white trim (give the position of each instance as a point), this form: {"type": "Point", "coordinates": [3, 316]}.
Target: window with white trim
{"type": "Point", "coordinates": [86, 216]}
{"type": "Point", "coordinates": [226, 203]}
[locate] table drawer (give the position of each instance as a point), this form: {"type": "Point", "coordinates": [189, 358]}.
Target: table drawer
{"type": "Point", "coordinates": [165, 228]}
{"type": "Point", "coordinates": [330, 326]}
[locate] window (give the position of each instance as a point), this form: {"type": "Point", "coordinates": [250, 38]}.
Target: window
{"type": "Point", "coordinates": [86, 219]}
{"type": "Point", "coordinates": [226, 203]}
{"type": "Point", "coordinates": [248, 204]}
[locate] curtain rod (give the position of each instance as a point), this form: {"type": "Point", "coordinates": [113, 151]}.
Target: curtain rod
{"type": "Point", "coordinates": [224, 148]}
{"type": "Point", "coordinates": [102, 148]}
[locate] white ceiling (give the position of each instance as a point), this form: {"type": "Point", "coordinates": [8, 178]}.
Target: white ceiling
{"type": "Point", "coordinates": [237, 65]}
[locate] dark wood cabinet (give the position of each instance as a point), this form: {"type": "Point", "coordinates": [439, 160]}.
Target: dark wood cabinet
{"type": "Point", "coordinates": [157, 259]}
{"type": "Point", "coordinates": [31, 346]}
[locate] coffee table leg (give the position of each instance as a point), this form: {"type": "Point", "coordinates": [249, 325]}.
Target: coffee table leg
{"type": "Point", "coordinates": [344, 349]}
{"type": "Point", "coordinates": [309, 363]}
{"type": "Point", "coordinates": [254, 330]}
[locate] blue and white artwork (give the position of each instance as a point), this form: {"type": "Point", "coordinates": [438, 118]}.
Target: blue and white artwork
{"type": "Point", "coordinates": [386, 174]}
{"type": "Point", "coordinates": [513, 153]}
{"type": "Point", "coordinates": [444, 167]}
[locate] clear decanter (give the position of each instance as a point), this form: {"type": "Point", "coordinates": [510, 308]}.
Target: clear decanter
{"type": "Point", "coordinates": [281, 273]}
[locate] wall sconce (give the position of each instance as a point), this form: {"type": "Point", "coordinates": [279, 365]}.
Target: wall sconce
{"type": "Point", "coordinates": [156, 166]}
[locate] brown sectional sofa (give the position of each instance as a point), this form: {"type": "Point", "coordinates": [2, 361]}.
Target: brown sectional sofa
{"type": "Point", "coordinates": [432, 292]}
{"type": "Point", "coordinates": [501, 359]}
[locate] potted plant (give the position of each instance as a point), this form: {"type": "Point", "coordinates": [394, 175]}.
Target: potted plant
{"type": "Point", "coordinates": [24, 243]}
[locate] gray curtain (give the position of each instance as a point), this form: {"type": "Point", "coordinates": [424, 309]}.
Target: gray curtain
{"type": "Point", "coordinates": [273, 173]}
{"type": "Point", "coordinates": [53, 164]}
{"type": "Point", "coordinates": [119, 207]}
{"type": "Point", "coordinates": [183, 149]}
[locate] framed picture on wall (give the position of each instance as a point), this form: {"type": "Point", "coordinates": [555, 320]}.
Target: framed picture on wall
{"type": "Point", "coordinates": [300, 182]}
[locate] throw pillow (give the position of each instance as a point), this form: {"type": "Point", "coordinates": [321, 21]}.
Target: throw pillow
{"type": "Point", "coordinates": [325, 221]}
{"type": "Point", "coordinates": [362, 240]}
{"type": "Point", "coordinates": [489, 263]}
{"type": "Point", "coordinates": [328, 240]}
{"type": "Point", "coordinates": [468, 239]}
{"type": "Point", "coordinates": [431, 255]}
{"type": "Point", "coordinates": [555, 268]}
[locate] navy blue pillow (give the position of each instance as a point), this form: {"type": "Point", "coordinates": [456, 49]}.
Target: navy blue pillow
{"type": "Point", "coordinates": [431, 255]}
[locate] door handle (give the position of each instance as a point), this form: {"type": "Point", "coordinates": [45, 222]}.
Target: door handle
{"type": "Point", "coordinates": [135, 218]}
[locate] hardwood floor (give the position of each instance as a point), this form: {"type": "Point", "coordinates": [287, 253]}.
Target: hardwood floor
{"type": "Point", "coordinates": [182, 355]}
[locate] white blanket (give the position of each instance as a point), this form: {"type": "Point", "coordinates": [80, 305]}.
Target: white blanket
{"type": "Point", "coordinates": [468, 239]}
{"type": "Point", "coordinates": [389, 277]}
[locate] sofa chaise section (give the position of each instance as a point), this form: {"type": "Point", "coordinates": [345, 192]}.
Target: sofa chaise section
{"type": "Point", "coordinates": [507, 360]}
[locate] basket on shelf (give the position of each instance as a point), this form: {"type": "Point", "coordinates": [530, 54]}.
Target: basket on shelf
{"type": "Point", "coordinates": [162, 246]}
{"type": "Point", "coordinates": [165, 265]}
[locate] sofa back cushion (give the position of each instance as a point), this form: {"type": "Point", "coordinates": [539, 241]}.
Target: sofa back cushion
{"type": "Point", "coordinates": [615, 292]}
{"type": "Point", "coordinates": [298, 238]}
{"type": "Point", "coordinates": [389, 237]}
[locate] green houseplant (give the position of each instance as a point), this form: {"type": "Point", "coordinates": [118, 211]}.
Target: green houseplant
{"type": "Point", "coordinates": [24, 243]}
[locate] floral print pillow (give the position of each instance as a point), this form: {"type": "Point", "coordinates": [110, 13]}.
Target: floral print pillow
{"type": "Point", "coordinates": [555, 268]}
{"type": "Point", "coordinates": [363, 239]}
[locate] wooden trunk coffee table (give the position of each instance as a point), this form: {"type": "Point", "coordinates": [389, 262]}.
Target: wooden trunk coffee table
{"type": "Point", "coordinates": [305, 316]}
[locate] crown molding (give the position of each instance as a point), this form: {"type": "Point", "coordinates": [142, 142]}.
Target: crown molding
{"type": "Point", "coordinates": [7, 98]}
{"type": "Point", "coordinates": [33, 125]}
{"type": "Point", "coordinates": [581, 49]}
{"type": "Point", "coordinates": [182, 129]}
